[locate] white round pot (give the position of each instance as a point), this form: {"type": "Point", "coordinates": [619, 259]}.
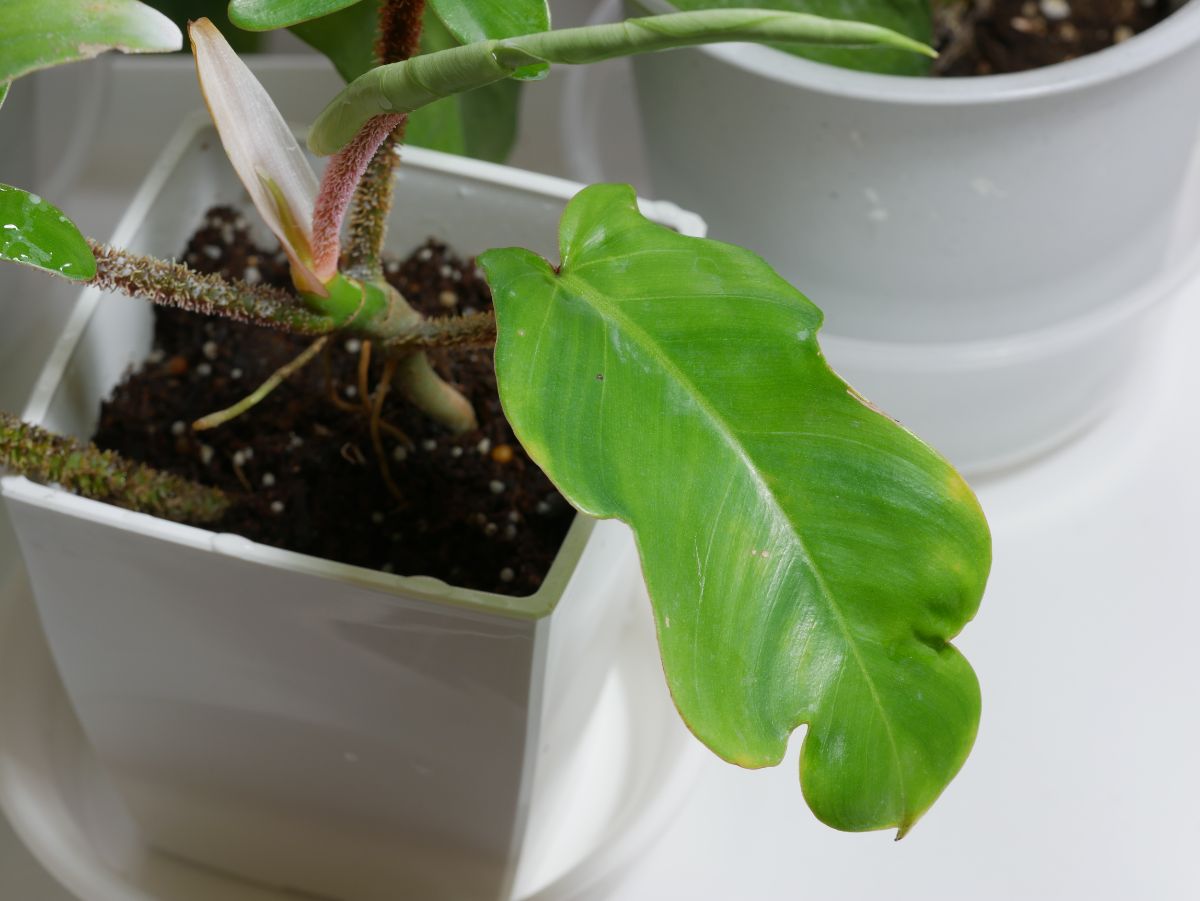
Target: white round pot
{"type": "Point", "coordinates": [983, 248]}
{"type": "Point", "coordinates": [306, 724]}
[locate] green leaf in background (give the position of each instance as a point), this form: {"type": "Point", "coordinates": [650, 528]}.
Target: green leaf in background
{"type": "Point", "coordinates": [909, 17]}
{"type": "Point", "coordinates": [35, 34]}
{"type": "Point", "coordinates": [183, 11]}
{"type": "Point", "coordinates": [346, 37]}
{"type": "Point", "coordinates": [267, 15]}
{"type": "Point", "coordinates": [37, 234]}
{"type": "Point", "coordinates": [480, 123]}
{"type": "Point", "coordinates": [470, 21]}
{"type": "Point", "coordinates": [808, 559]}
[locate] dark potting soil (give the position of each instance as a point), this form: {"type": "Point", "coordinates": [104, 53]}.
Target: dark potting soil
{"type": "Point", "coordinates": [473, 511]}
{"type": "Point", "coordinates": [981, 37]}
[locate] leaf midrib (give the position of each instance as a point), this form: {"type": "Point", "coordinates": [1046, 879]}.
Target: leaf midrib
{"type": "Point", "coordinates": [611, 311]}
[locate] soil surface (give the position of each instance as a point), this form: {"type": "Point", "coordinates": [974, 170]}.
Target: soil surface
{"type": "Point", "coordinates": [981, 37]}
{"type": "Point", "coordinates": [473, 510]}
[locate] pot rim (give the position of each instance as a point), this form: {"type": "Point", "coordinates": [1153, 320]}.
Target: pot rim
{"type": "Point", "coordinates": [1175, 34]}
{"type": "Point", "coordinates": [190, 132]}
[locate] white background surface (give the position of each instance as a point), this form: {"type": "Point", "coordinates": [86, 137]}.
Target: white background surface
{"type": "Point", "coordinates": [1083, 783]}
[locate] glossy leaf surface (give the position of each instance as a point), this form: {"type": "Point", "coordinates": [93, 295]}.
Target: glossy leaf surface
{"type": "Point", "coordinates": [807, 558]}
{"type": "Point", "coordinates": [37, 234]}
{"type": "Point", "coordinates": [346, 37]}
{"type": "Point", "coordinates": [470, 21]}
{"type": "Point", "coordinates": [412, 84]}
{"type": "Point", "coordinates": [909, 17]}
{"type": "Point", "coordinates": [267, 15]}
{"type": "Point", "coordinates": [35, 34]}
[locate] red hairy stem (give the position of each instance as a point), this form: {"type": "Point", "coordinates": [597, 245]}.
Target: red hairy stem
{"type": "Point", "coordinates": [338, 184]}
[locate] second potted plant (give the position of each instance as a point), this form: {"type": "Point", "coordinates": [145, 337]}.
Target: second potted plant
{"type": "Point", "coordinates": [984, 246]}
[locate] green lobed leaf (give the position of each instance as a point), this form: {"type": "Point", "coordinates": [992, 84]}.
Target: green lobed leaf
{"type": "Point", "coordinates": [267, 15]}
{"type": "Point", "coordinates": [470, 21]}
{"type": "Point", "coordinates": [807, 558]}
{"type": "Point", "coordinates": [36, 233]}
{"type": "Point", "coordinates": [346, 37]}
{"type": "Point", "coordinates": [35, 34]}
{"type": "Point", "coordinates": [913, 18]}
{"type": "Point", "coordinates": [480, 123]}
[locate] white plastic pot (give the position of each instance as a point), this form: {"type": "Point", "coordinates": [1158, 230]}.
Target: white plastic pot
{"type": "Point", "coordinates": [302, 723]}
{"type": "Point", "coordinates": [984, 248]}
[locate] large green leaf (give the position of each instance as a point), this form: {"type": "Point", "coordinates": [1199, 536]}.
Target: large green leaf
{"type": "Point", "coordinates": [807, 558]}
{"type": "Point", "coordinates": [910, 17]}
{"type": "Point", "coordinates": [480, 123]}
{"type": "Point", "coordinates": [347, 37]}
{"type": "Point", "coordinates": [470, 21]}
{"type": "Point", "coordinates": [267, 15]}
{"type": "Point", "coordinates": [35, 34]}
{"type": "Point", "coordinates": [37, 234]}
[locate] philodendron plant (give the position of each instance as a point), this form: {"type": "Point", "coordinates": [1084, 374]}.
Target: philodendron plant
{"type": "Point", "coordinates": [808, 559]}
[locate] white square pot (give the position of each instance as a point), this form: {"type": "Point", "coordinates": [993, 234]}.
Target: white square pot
{"type": "Point", "coordinates": [303, 723]}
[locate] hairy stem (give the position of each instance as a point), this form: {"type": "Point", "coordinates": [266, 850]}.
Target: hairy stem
{"type": "Point", "coordinates": [399, 38]}
{"type": "Point", "coordinates": [367, 223]}
{"type": "Point", "coordinates": [175, 285]}
{"type": "Point", "coordinates": [399, 30]}
{"type": "Point", "coordinates": [339, 183]}
{"type": "Point", "coordinates": [47, 458]}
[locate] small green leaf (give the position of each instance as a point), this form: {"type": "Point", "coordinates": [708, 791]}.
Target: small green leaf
{"type": "Point", "coordinates": [909, 17]}
{"type": "Point", "coordinates": [37, 234]}
{"type": "Point", "coordinates": [267, 15]}
{"type": "Point", "coordinates": [807, 558]}
{"type": "Point", "coordinates": [35, 34]}
{"type": "Point", "coordinates": [346, 37]}
{"type": "Point", "coordinates": [470, 21]}
{"type": "Point", "coordinates": [480, 123]}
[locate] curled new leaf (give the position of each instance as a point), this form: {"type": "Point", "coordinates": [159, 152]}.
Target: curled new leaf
{"type": "Point", "coordinates": [412, 84]}
{"type": "Point", "coordinates": [35, 34]}
{"type": "Point", "coordinates": [37, 234]}
{"type": "Point", "coordinates": [263, 151]}
{"type": "Point", "coordinates": [911, 17]}
{"type": "Point", "coordinates": [807, 558]}
{"type": "Point", "coordinates": [470, 21]}
{"type": "Point", "coordinates": [480, 123]}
